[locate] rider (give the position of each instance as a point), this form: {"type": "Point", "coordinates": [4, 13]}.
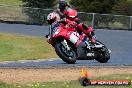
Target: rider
{"type": "Point", "coordinates": [61, 6]}
{"type": "Point", "coordinates": [62, 11]}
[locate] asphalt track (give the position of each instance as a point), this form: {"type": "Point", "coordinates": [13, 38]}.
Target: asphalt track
{"type": "Point", "coordinates": [118, 41]}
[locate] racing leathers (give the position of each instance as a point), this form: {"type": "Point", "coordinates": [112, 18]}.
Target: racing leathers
{"type": "Point", "coordinates": [80, 27]}
{"type": "Point", "coordinates": [62, 11]}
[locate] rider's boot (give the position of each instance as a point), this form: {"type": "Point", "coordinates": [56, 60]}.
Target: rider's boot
{"type": "Point", "coordinates": [87, 31]}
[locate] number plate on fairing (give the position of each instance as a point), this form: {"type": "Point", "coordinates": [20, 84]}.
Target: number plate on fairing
{"type": "Point", "coordinates": [90, 54]}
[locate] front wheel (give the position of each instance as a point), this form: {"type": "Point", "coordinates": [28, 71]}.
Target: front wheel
{"type": "Point", "coordinates": [68, 56]}
{"type": "Point", "coordinates": [103, 55]}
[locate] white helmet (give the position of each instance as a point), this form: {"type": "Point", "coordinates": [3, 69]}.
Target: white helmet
{"type": "Point", "coordinates": [52, 17]}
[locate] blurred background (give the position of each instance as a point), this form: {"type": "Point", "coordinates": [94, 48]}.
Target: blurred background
{"type": "Point", "coordinates": [110, 14]}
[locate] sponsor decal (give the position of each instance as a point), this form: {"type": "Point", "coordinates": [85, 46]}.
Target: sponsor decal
{"type": "Point", "coordinates": [86, 81]}
{"type": "Point", "coordinates": [90, 54]}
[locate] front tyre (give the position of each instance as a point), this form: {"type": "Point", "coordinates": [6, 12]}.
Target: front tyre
{"type": "Point", "coordinates": [103, 54]}
{"type": "Point", "coordinates": [68, 56]}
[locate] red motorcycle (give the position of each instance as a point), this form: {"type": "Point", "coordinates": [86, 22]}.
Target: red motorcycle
{"type": "Point", "coordinates": [71, 46]}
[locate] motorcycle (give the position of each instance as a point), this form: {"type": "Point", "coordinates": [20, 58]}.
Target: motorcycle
{"type": "Point", "coordinates": [71, 46]}
{"type": "Point", "coordinates": [64, 43]}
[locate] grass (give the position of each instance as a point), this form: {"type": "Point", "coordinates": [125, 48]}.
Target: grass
{"type": "Point", "coordinates": [12, 12]}
{"type": "Point", "coordinates": [68, 84]}
{"type": "Point", "coordinates": [14, 47]}
{"type": "Point", "coordinates": [11, 2]}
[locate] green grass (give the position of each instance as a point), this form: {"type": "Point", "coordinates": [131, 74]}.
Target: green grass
{"type": "Point", "coordinates": [68, 84]}
{"type": "Point", "coordinates": [14, 47]}
{"type": "Point", "coordinates": [10, 11]}
{"type": "Point", "coordinates": [11, 2]}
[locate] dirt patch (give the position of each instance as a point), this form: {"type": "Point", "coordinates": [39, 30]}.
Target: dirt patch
{"type": "Point", "coordinates": [24, 76]}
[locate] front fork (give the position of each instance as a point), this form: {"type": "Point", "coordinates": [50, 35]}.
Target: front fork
{"type": "Point", "coordinates": [64, 43]}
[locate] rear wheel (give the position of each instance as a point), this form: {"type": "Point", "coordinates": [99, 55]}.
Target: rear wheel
{"type": "Point", "coordinates": [103, 54]}
{"type": "Point", "coordinates": [68, 56]}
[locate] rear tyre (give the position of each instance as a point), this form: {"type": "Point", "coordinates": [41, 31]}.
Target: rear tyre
{"type": "Point", "coordinates": [103, 55]}
{"type": "Point", "coordinates": [67, 56]}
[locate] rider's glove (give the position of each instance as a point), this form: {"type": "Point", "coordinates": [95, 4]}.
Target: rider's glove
{"type": "Point", "coordinates": [46, 36]}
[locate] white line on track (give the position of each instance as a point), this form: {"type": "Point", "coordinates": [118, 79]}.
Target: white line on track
{"type": "Point", "coordinates": [26, 61]}
{"type": "Point", "coordinates": [50, 60]}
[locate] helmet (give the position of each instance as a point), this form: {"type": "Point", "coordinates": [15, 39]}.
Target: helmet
{"type": "Point", "coordinates": [62, 5]}
{"type": "Point", "coordinates": [52, 17]}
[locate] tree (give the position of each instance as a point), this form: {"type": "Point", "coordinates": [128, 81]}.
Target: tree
{"type": "Point", "coordinates": [94, 6]}
{"type": "Point", "coordinates": [80, 5]}
{"type": "Point", "coordinates": [124, 7]}
{"type": "Point", "coordinates": [39, 3]}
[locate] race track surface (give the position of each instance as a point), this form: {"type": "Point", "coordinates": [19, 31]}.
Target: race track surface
{"type": "Point", "coordinates": [118, 41]}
